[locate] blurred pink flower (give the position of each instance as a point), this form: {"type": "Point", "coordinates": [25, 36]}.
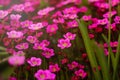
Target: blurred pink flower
{"type": "Point", "coordinates": [81, 73]}
{"type": "Point", "coordinates": [54, 68]}
{"type": "Point", "coordinates": [16, 60]}
{"type": "Point", "coordinates": [21, 46]}
{"type": "Point", "coordinates": [18, 7]}
{"type": "Point", "coordinates": [3, 14]}
{"type": "Point", "coordinates": [31, 39]}
{"type": "Point", "coordinates": [33, 61]}
{"type": "Point", "coordinates": [69, 36]}
{"type": "Point", "coordinates": [14, 34]}
{"type": "Point", "coordinates": [52, 28]}
{"type": "Point", "coordinates": [44, 75]}
{"type": "Point", "coordinates": [48, 53]}
{"type": "Point", "coordinates": [73, 65]}
{"type": "Point", "coordinates": [37, 26]}
{"type": "Point", "coordinates": [15, 17]}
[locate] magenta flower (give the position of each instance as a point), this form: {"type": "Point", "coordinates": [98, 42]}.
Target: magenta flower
{"type": "Point", "coordinates": [45, 42]}
{"type": "Point", "coordinates": [32, 39]}
{"type": "Point", "coordinates": [3, 14]}
{"type": "Point", "coordinates": [54, 68]}
{"type": "Point", "coordinates": [59, 20]}
{"type": "Point", "coordinates": [15, 17]}
{"type": "Point", "coordinates": [36, 26]}
{"type": "Point", "coordinates": [72, 24]}
{"type": "Point", "coordinates": [117, 19]}
{"type": "Point", "coordinates": [15, 34]}
{"type": "Point", "coordinates": [69, 36]}
{"type": "Point", "coordinates": [33, 61]}
{"type": "Point", "coordinates": [44, 75]}
{"type": "Point", "coordinates": [81, 73]}
{"type": "Point", "coordinates": [45, 11]}
{"type": "Point", "coordinates": [86, 17]}
{"type": "Point", "coordinates": [112, 13]}
{"type": "Point", "coordinates": [26, 23]}
{"type": "Point", "coordinates": [22, 46]}
{"type": "Point", "coordinates": [48, 53]}
{"type": "Point", "coordinates": [40, 46]}
{"type": "Point", "coordinates": [93, 26]}
{"type": "Point", "coordinates": [16, 60]}
{"type": "Point", "coordinates": [103, 21]}
{"type": "Point", "coordinates": [64, 43]}
{"type": "Point", "coordinates": [52, 28]}
{"type": "Point", "coordinates": [73, 65]}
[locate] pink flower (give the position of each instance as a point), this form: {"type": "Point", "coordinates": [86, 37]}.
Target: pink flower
{"type": "Point", "coordinates": [22, 46]}
{"type": "Point", "coordinates": [109, 14]}
{"type": "Point", "coordinates": [117, 19]}
{"type": "Point", "coordinates": [15, 17]}
{"type": "Point", "coordinates": [59, 20]}
{"type": "Point", "coordinates": [3, 14]}
{"type": "Point", "coordinates": [52, 28]}
{"type": "Point", "coordinates": [72, 24]}
{"type": "Point", "coordinates": [5, 2]}
{"type": "Point", "coordinates": [72, 65]}
{"type": "Point", "coordinates": [15, 34]}
{"type": "Point", "coordinates": [12, 78]}
{"type": "Point", "coordinates": [18, 8]}
{"type": "Point", "coordinates": [64, 43]}
{"type": "Point", "coordinates": [48, 53]}
{"type": "Point", "coordinates": [103, 21]}
{"type": "Point", "coordinates": [32, 39]}
{"type": "Point", "coordinates": [45, 11]}
{"type": "Point", "coordinates": [45, 42]}
{"type": "Point", "coordinates": [69, 36]}
{"type": "Point", "coordinates": [26, 23]}
{"type": "Point", "coordinates": [40, 46]}
{"type": "Point", "coordinates": [33, 61]}
{"type": "Point", "coordinates": [54, 68]}
{"type": "Point", "coordinates": [36, 26]}
{"type": "Point", "coordinates": [44, 75]}
{"type": "Point", "coordinates": [86, 17]}
{"type": "Point", "coordinates": [92, 26]}
{"type": "Point", "coordinates": [81, 73]}
{"type": "Point", "coordinates": [16, 60]}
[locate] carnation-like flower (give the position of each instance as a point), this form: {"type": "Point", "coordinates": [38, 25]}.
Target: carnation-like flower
{"type": "Point", "coordinates": [31, 39]}
{"type": "Point", "coordinates": [16, 60]}
{"type": "Point", "coordinates": [15, 17]}
{"type": "Point", "coordinates": [44, 75]}
{"type": "Point", "coordinates": [52, 28]}
{"type": "Point", "coordinates": [36, 26]}
{"type": "Point", "coordinates": [64, 43]}
{"type": "Point", "coordinates": [73, 65]}
{"type": "Point", "coordinates": [18, 8]}
{"type": "Point", "coordinates": [33, 61]}
{"type": "Point", "coordinates": [15, 34]}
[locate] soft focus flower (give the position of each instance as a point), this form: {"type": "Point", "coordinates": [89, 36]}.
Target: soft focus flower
{"type": "Point", "coordinates": [69, 36]}
{"type": "Point", "coordinates": [37, 26]}
{"type": "Point", "coordinates": [40, 46]}
{"type": "Point", "coordinates": [81, 73]}
{"type": "Point", "coordinates": [103, 21]}
{"type": "Point", "coordinates": [45, 11]}
{"type": "Point", "coordinates": [64, 43]}
{"type": "Point", "coordinates": [48, 53]}
{"type": "Point", "coordinates": [72, 24]}
{"type": "Point", "coordinates": [26, 23]}
{"type": "Point", "coordinates": [16, 60]}
{"type": "Point", "coordinates": [44, 75]}
{"type": "Point", "coordinates": [54, 68]}
{"type": "Point", "coordinates": [21, 46]}
{"type": "Point", "coordinates": [18, 8]}
{"type": "Point", "coordinates": [32, 39]}
{"type": "Point", "coordinates": [73, 65]}
{"type": "Point", "coordinates": [15, 17]}
{"type": "Point", "coordinates": [52, 28]}
{"type": "Point", "coordinates": [3, 14]}
{"type": "Point", "coordinates": [33, 61]}
{"type": "Point", "coordinates": [14, 34]}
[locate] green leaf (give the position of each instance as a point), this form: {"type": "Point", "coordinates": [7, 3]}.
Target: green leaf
{"type": "Point", "coordinates": [2, 48]}
{"type": "Point", "coordinates": [90, 51]}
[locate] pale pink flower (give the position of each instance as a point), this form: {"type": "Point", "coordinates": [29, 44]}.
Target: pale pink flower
{"type": "Point", "coordinates": [15, 34]}
{"type": "Point", "coordinates": [15, 17]}
{"type": "Point", "coordinates": [37, 26]}
{"type": "Point", "coordinates": [26, 23]}
{"type": "Point", "coordinates": [32, 39]}
{"type": "Point", "coordinates": [16, 60]}
{"type": "Point", "coordinates": [18, 8]}
{"type": "Point", "coordinates": [22, 46]}
{"type": "Point", "coordinates": [3, 14]}
{"type": "Point", "coordinates": [33, 61]}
